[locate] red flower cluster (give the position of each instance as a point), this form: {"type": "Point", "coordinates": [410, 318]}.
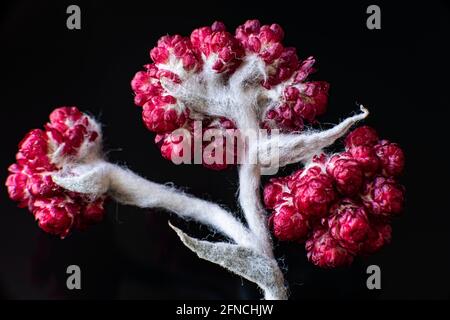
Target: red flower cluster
{"type": "Point", "coordinates": [214, 51]}
{"type": "Point", "coordinates": [341, 205]}
{"type": "Point", "coordinates": [301, 101]}
{"type": "Point", "coordinates": [218, 48]}
{"type": "Point", "coordinates": [69, 136]}
{"type": "Point", "coordinates": [265, 41]}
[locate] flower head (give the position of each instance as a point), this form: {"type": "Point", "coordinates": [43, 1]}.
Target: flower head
{"type": "Point", "coordinates": [215, 75]}
{"type": "Point", "coordinates": [340, 204]}
{"type": "Point", "coordinates": [70, 137]}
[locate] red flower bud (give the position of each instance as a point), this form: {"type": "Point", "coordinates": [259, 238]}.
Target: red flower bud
{"type": "Point", "coordinates": [288, 223]}
{"type": "Point", "coordinates": [362, 136]}
{"type": "Point", "coordinates": [378, 236]}
{"type": "Point", "coordinates": [163, 114]}
{"type": "Point", "coordinates": [348, 223]}
{"type": "Point", "coordinates": [391, 157]}
{"type": "Point", "coordinates": [175, 49]}
{"type": "Point", "coordinates": [17, 184]}
{"type": "Point", "coordinates": [175, 143]}
{"type": "Point", "coordinates": [265, 41]}
{"type": "Point", "coordinates": [347, 173]}
{"type": "Point", "coordinates": [383, 196]}
{"type": "Point", "coordinates": [304, 70]}
{"type": "Point", "coordinates": [274, 190]}
{"type": "Point", "coordinates": [33, 151]}
{"type": "Point", "coordinates": [325, 252]}
{"type": "Point", "coordinates": [91, 212]}
{"type": "Point", "coordinates": [314, 192]}
{"type": "Point", "coordinates": [301, 103]}
{"type": "Point", "coordinates": [366, 158]}
{"type": "Point", "coordinates": [220, 48]}
{"type": "Point", "coordinates": [55, 215]}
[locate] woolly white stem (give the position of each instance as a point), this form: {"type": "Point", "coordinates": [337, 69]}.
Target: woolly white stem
{"type": "Point", "coordinates": [249, 199]}
{"type": "Point", "coordinates": [100, 177]}
{"type": "Point", "coordinates": [294, 148]}
{"type": "Point", "coordinates": [128, 188]}
{"type": "Point", "coordinates": [249, 186]}
{"type": "Point", "coordinates": [149, 194]}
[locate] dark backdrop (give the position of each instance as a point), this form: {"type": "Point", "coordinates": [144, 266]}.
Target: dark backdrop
{"type": "Point", "coordinates": [399, 72]}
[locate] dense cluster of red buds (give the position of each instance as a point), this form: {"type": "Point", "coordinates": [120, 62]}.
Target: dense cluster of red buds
{"type": "Point", "coordinates": [212, 53]}
{"type": "Point", "coordinates": [342, 204]}
{"type": "Point", "coordinates": [69, 137]}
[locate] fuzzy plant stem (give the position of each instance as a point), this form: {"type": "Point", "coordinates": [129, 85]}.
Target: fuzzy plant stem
{"type": "Point", "coordinates": [251, 205]}
{"type": "Point", "coordinates": [249, 188]}
{"type": "Point", "coordinates": [100, 177]}
{"type": "Point", "coordinates": [129, 188]}
{"type": "Point", "coordinates": [249, 199]}
{"type": "Point", "coordinates": [126, 187]}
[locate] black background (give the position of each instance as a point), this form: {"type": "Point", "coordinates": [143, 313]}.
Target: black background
{"type": "Point", "coordinates": [399, 72]}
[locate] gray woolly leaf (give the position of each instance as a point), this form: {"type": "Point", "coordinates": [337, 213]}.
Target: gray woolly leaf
{"type": "Point", "coordinates": [240, 260]}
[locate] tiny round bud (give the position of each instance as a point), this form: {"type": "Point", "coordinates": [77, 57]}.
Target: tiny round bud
{"type": "Point", "coordinates": [383, 196]}
{"type": "Point", "coordinates": [348, 223]}
{"type": "Point", "coordinates": [366, 158]}
{"type": "Point", "coordinates": [325, 252]}
{"type": "Point", "coordinates": [346, 172]}
{"type": "Point", "coordinates": [378, 236]}
{"type": "Point", "coordinates": [289, 224]}
{"type": "Point", "coordinates": [362, 136]}
{"type": "Point", "coordinates": [391, 157]}
{"type": "Point", "coordinates": [314, 192]}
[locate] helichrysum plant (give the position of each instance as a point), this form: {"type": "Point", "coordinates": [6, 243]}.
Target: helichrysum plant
{"type": "Point", "coordinates": [213, 86]}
